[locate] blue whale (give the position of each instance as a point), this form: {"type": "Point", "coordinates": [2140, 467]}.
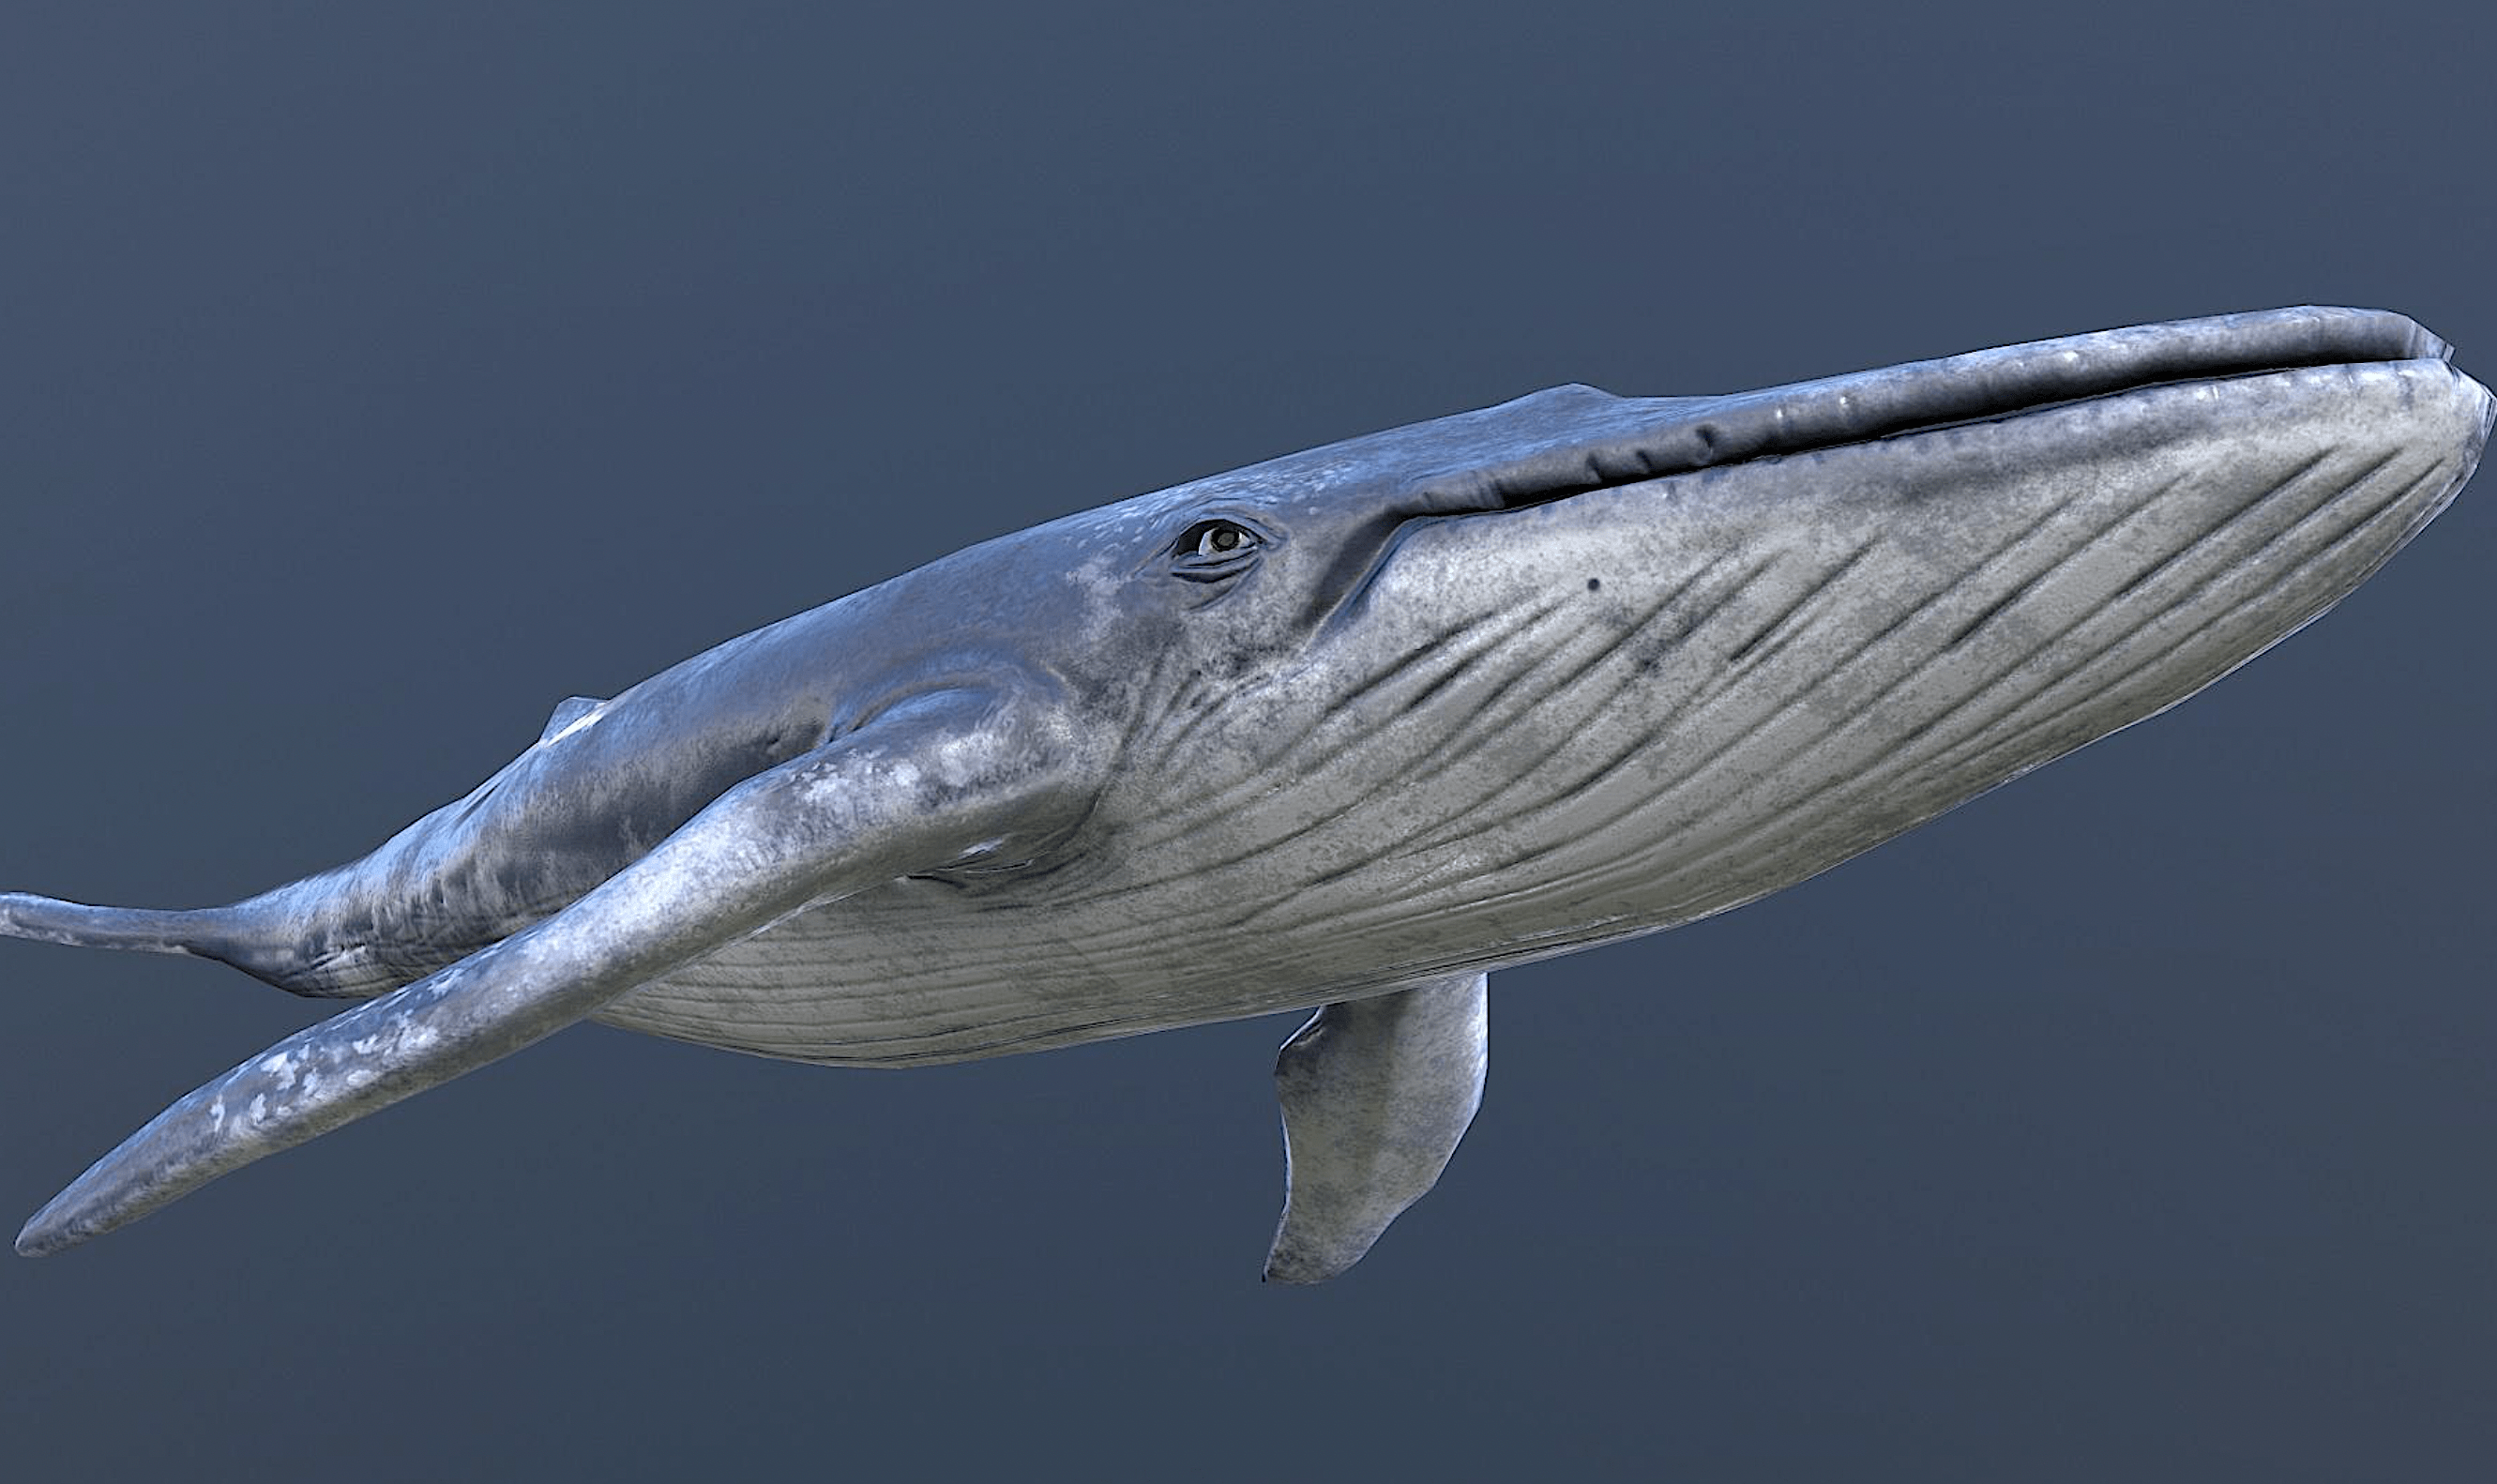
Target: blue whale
{"type": "Point", "coordinates": [1346, 731]}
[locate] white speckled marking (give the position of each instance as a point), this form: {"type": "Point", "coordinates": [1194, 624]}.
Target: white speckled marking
{"type": "Point", "coordinates": [581, 723]}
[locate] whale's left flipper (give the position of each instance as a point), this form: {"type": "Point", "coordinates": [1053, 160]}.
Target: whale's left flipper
{"type": "Point", "coordinates": [927, 782]}
{"type": "Point", "coordinates": [1376, 1092]}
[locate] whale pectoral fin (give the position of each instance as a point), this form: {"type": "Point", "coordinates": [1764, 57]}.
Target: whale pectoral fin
{"type": "Point", "coordinates": [566, 712]}
{"type": "Point", "coordinates": [1375, 1094]}
{"type": "Point", "coordinates": [921, 785]}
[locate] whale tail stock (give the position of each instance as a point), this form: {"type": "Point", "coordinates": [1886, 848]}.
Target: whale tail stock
{"type": "Point", "coordinates": [222, 933]}
{"type": "Point", "coordinates": [49, 920]}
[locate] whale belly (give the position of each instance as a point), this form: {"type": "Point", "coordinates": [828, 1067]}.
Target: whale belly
{"type": "Point", "coordinates": [920, 973]}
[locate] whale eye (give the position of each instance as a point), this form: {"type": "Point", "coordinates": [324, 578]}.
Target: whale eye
{"type": "Point", "coordinates": [1212, 550]}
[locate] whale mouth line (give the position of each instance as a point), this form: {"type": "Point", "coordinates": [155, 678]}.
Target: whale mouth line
{"type": "Point", "coordinates": [2058, 404]}
{"type": "Point", "coordinates": [1664, 437]}
{"type": "Point", "coordinates": [1528, 499]}
{"type": "Point", "coordinates": [1630, 482]}
{"type": "Point", "coordinates": [1580, 441]}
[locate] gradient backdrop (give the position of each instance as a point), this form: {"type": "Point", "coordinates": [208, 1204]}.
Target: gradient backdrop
{"type": "Point", "coordinates": [373, 377]}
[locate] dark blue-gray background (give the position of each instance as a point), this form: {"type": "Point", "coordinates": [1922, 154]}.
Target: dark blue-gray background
{"type": "Point", "coordinates": [373, 377]}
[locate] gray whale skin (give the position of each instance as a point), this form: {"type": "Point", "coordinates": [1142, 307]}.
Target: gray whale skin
{"type": "Point", "coordinates": [1349, 730]}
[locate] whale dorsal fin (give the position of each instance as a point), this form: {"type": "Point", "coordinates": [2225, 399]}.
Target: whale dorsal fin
{"type": "Point", "coordinates": [1375, 1094]}
{"type": "Point", "coordinates": [568, 711]}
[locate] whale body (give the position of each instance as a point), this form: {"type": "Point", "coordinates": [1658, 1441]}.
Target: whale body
{"type": "Point", "coordinates": [1348, 731]}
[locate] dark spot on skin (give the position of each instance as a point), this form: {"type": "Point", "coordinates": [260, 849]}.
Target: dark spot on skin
{"type": "Point", "coordinates": [1593, 583]}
